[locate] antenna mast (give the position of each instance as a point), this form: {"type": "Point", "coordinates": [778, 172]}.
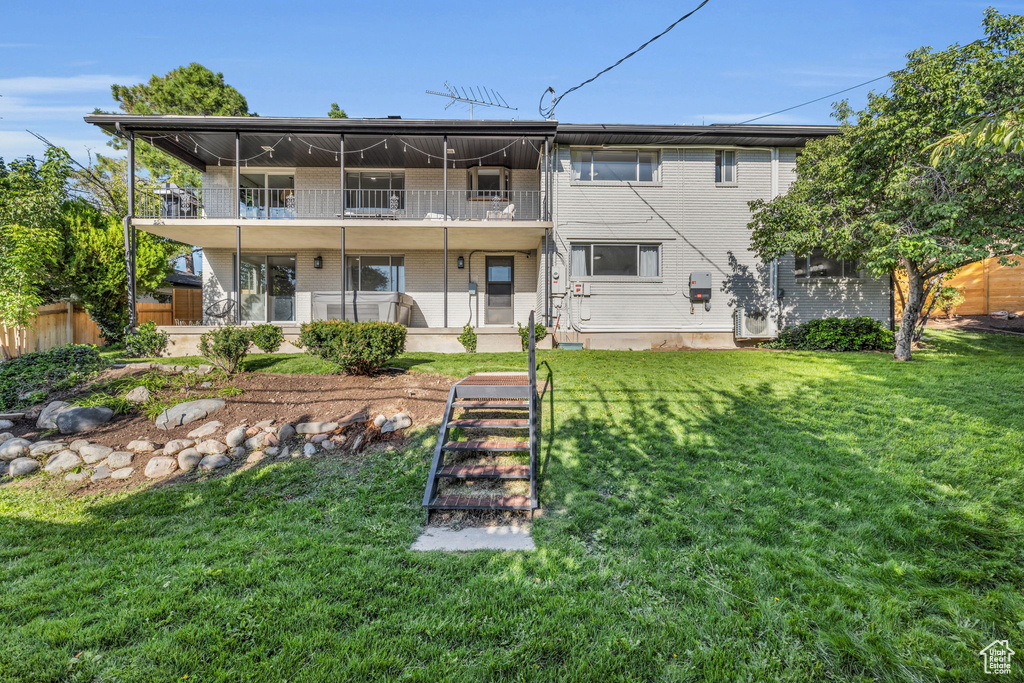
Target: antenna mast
{"type": "Point", "coordinates": [479, 96]}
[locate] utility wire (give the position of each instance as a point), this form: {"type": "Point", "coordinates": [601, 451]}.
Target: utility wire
{"type": "Point", "coordinates": [817, 99]}
{"type": "Point", "coordinates": [550, 110]}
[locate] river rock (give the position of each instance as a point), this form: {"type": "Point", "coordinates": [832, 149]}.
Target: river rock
{"type": "Point", "coordinates": [138, 395]}
{"type": "Point", "coordinates": [5, 437]}
{"type": "Point", "coordinates": [286, 432]}
{"type": "Point", "coordinates": [309, 450]}
{"type": "Point", "coordinates": [77, 444]}
{"type": "Point", "coordinates": [204, 369]}
{"type": "Point", "coordinates": [78, 420]}
{"type": "Point", "coordinates": [47, 418]}
{"type": "Point", "coordinates": [211, 447]}
{"type": "Point", "coordinates": [14, 448]}
{"type": "Point", "coordinates": [6, 424]}
{"type": "Point", "coordinates": [76, 477]}
{"type": "Point", "coordinates": [62, 461]}
{"type": "Point", "coordinates": [188, 459]}
{"type": "Point", "coordinates": [93, 453]}
{"type": "Point", "coordinates": [256, 456]}
{"type": "Point", "coordinates": [119, 459]}
{"type": "Point", "coordinates": [272, 450]}
{"type": "Point", "coordinates": [22, 466]}
{"type": "Point", "coordinates": [316, 427]}
{"type": "Point", "coordinates": [206, 430]}
{"type": "Point", "coordinates": [102, 472]}
{"type": "Point", "coordinates": [265, 425]}
{"type": "Point", "coordinates": [142, 446]}
{"type": "Point", "coordinates": [379, 421]}
{"type": "Point", "coordinates": [256, 442]}
{"type": "Point", "coordinates": [399, 421]}
{"type": "Point", "coordinates": [177, 446]}
{"type": "Point", "coordinates": [122, 473]}
{"type": "Point", "coordinates": [212, 462]}
{"type": "Point", "coordinates": [236, 437]}
{"type": "Point", "coordinates": [3, 468]}
{"type": "Point", "coordinates": [160, 466]}
{"type": "Point", "coordinates": [47, 448]}
{"type": "Point", "coordinates": [190, 411]}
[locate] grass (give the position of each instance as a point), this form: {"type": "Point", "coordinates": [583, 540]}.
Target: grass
{"type": "Point", "coordinates": [708, 516]}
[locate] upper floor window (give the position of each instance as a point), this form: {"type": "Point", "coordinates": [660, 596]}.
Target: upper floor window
{"type": "Point", "coordinates": [725, 167]}
{"type": "Point", "coordinates": [489, 182]}
{"type": "Point", "coordinates": [615, 165]}
{"type": "Point", "coordinates": [375, 190]}
{"type": "Point", "coordinates": [817, 265]}
{"type": "Point", "coordinates": [630, 260]}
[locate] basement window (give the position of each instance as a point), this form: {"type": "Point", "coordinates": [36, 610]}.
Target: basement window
{"type": "Point", "coordinates": [818, 266]}
{"type": "Point", "coordinates": [616, 260]}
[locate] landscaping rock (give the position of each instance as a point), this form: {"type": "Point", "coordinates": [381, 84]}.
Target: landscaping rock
{"type": "Point", "coordinates": [238, 452]}
{"type": "Point", "coordinates": [77, 444]}
{"type": "Point", "coordinates": [141, 446]}
{"type": "Point", "coordinates": [93, 453]}
{"type": "Point", "coordinates": [379, 421]}
{"type": "Point", "coordinates": [316, 427]}
{"type": "Point", "coordinates": [119, 459]}
{"type": "Point", "coordinates": [6, 424]}
{"type": "Point", "coordinates": [47, 418]}
{"type": "Point", "coordinates": [206, 430]}
{"type": "Point", "coordinates": [256, 442]}
{"type": "Point", "coordinates": [188, 459]}
{"type": "Point", "coordinates": [352, 418]}
{"type": "Point", "coordinates": [265, 425]}
{"type": "Point", "coordinates": [102, 472]}
{"type": "Point", "coordinates": [212, 462]}
{"type": "Point", "coordinates": [286, 432]}
{"type": "Point", "coordinates": [204, 369]}
{"type": "Point", "coordinates": [138, 395]}
{"type": "Point", "coordinates": [177, 446]}
{"type": "Point", "coordinates": [318, 438]}
{"type": "Point", "coordinates": [236, 437]}
{"type": "Point", "coordinates": [211, 447]}
{"type": "Point", "coordinates": [273, 450]}
{"type": "Point", "coordinates": [22, 466]}
{"type": "Point", "coordinates": [256, 456]}
{"type": "Point", "coordinates": [14, 448]}
{"type": "Point", "coordinates": [328, 445]}
{"type": "Point", "coordinates": [62, 461]}
{"type": "Point", "coordinates": [160, 466]}
{"type": "Point", "coordinates": [309, 450]}
{"type": "Point", "coordinates": [47, 448]}
{"type": "Point", "coordinates": [206, 385]}
{"type": "Point", "coordinates": [76, 476]}
{"type": "Point", "coordinates": [122, 473]}
{"type": "Point", "coordinates": [3, 468]}
{"type": "Point", "coordinates": [190, 411]}
{"type": "Point", "coordinates": [270, 440]}
{"type": "Point", "coordinates": [78, 420]}
{"type": "Point", "coordinates": [5, 437]}
{"type": "Point", "coordinates": [399, 421]}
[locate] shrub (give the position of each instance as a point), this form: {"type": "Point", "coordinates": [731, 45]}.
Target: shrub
{"type": "Point", "coordinates": [146, 341]}
{"type": "Point", "coordinates": [835, 334]}
{"type": "Point", "coordinates": [226, 347]}
{"type": "Point", "coordinates": [468, 338]}
{"type": "Point", "coordinates": [539, 332]}
{"type": "Point", "coordinates": [267, 338]}
{"type": "Point", "coordinates": [357, 348]}
{"type": "Point", "coordinates": [948, 298]}
{"type": "Point", "coordinates": [28, 379]}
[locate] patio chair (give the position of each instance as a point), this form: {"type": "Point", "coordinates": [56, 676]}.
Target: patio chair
{"type": "Point", "coordinates": [221, 310]}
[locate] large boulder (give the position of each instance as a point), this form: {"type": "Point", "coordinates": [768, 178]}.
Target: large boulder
{"type": "Point", "coordinates": [93, 453]}
{"type": "Point", "coordinates": [212, 462]}
{"type": "Point", "coordinates": [190, 411]}
{"type": "Point", "coordinates": [14, 448]}
{"type": "Point", "coordinates": [48, 418]}
{"type": "Point", "coordinates": [21, 466]}
{"type": "Point", "coordinates": [59, 462]}
{"type": "Point", "coordinates": [160, 466]}
{"type": "Point", "coordinates": [78, 420]}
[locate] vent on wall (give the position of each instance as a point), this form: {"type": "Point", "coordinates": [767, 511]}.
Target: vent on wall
{"type": "Point", "coordinates": [755, 325]}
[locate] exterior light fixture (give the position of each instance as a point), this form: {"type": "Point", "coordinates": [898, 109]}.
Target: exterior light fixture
{"type": "Point", "coordinates": [461, 262]}
{"type": "Point", "coordinates": [318, 262]}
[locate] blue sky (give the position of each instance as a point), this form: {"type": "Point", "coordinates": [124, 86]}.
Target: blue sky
{"type": "Point", "coordinates": [733, 60]}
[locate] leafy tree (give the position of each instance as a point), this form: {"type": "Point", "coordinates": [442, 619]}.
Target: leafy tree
{"type": "Point", "coordinates": [337, 112]}
{"type": "Point", "coordinates": [31, 196]}
{"type": "Point", "coordinates": [871, 193]}
{"type": "Point", "coordinates": [1002, 132]}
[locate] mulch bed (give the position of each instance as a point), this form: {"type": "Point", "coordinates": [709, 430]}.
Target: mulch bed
{"type": "Point", "coordinates": [980, 323]}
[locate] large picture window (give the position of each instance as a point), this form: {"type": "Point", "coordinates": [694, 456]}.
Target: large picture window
{"type": "Point", "coordinates": [374, 191]}
{"type": "Point", "coordinates": [375, 273]}
{"type": "Point", "coordinates": [817, 265]}
{"type": "Point", "coordinates": [615, 165]}
{"type": "Point", "coordinates": [616, 260]}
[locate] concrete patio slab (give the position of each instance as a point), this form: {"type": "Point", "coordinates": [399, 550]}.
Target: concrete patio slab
{"type": "Point", "coordinates": [475, 538]}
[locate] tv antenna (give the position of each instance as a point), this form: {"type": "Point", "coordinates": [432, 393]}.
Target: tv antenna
{"type": "Point", "coordinates": [479, 96]}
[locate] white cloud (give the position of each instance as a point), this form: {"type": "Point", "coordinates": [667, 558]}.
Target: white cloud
{"type": "Point", "coordinates": [23, 108]}
{"type": "Point", "coordinates": [15, 144]}
{"type": "Point", "coordinates": [58, 85]}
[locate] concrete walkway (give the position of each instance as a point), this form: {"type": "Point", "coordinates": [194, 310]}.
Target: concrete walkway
{"type": "Point", "coordinates": [475, 538]}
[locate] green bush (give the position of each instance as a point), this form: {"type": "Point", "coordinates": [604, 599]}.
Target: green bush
{"type": "Point", "coordinates": [468, 338]}
{"type": "Point", "coordinates": [226, 347]}
{"type": "Point", "coordinates": [28, 379]}
{"type": "Point", "coordinates": [267, 338]}
{"type": "Point", "coordinates": [539, 332]}
{"type": "Point", "coordinates": [948, 298]}
{"type": "Point", "coordinates": [146, 341]}
{"type": "Point", "coordinates": [357, 348]}
{"type": "Point", "coordinates": [835, 334]}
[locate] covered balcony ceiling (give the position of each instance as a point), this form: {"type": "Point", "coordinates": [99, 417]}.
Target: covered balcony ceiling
{"type": "Point", "coordinates": [206, 141]}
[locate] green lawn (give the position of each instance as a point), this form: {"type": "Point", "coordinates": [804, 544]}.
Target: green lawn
{"type": "Point", "coordinates": [708, 516]}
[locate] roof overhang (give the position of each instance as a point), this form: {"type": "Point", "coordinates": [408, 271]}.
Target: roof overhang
{"type": "Point", "coordinates": [717, 134]}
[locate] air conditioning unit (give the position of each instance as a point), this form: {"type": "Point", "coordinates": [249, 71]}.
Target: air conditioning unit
{"type": "Point", "coordinates": [755, 325]}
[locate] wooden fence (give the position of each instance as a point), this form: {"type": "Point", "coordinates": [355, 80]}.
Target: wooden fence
{"type": "Point", "coordinates": [989, 287]}
{"type": "Point", "coordinates": [60, 324]}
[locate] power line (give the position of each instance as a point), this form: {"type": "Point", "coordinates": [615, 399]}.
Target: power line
{"type": "Point", "coordinates": [818, 99]}
{"type": "Point", "coordinates": [549, 112]}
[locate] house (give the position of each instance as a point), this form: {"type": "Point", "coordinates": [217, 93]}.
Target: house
{"type": "Point", "coordinates": [618, 236]}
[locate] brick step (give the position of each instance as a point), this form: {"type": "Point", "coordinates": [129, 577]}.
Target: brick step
{"type": "Point", "coordinates": [496, 446]}
{"type": "Point", "coordinates": [485, 423]}
{"type": "Point", "coordinates": [491, 404]}
{"type": "Point", "coordinates": [458, 502]}
{"type": "Point", "coordinates": [485, 472]}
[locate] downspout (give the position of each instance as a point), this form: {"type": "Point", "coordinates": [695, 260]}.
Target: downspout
{"type": "Point", "coordinates": [444, 222]}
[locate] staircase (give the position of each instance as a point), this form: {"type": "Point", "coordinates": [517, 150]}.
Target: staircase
{"type": "Point", "coordinates": [499, 414]}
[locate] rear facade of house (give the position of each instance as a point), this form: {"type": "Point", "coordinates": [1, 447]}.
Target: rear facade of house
{"type": "Point", "coordinates": [618, 236]}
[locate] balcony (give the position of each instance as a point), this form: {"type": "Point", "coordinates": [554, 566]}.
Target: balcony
{"type": "Point", "coordinates": [170, 202]}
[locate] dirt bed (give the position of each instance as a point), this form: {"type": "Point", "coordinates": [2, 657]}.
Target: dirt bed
{"type": "Point", "coordinates": [982, 323]}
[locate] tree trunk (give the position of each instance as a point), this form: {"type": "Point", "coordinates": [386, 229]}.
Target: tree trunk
{"type": "Point", "coordinates": [911, 311]}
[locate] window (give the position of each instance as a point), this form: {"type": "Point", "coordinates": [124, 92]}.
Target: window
{"type": "Point", "coordinates": [266, 195]}
{"type": "Point", "coordinates": [615, 165]}
{"type": "Point", "coordinates": [267, 291]}
{"type": "Point", "coordinates": [375, 190]}
{"type": "Point", "coordinates": [725, 167]}
{"type": "Point", "coordinates": [817, 265]}
{"type": "Point", "coordinates": [488, 182]}
{"type": "Point", "coordinates": [623, 260]}
{"type": "Point", "coordinates": [375, 273]}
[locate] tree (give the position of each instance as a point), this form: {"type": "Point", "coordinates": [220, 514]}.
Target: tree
{"type": "Point", "coordinates": [872, 193]}
{"type": "Point", "coordinates": [337, 112]}
{"type": "Point", "coordinates": [1002, 132]}
{"type": "Point", "coordinates": [31, 197]}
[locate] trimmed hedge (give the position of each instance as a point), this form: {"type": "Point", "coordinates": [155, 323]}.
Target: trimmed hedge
{"type": "Point", "coordinates": [267, 338]}
{"type": "Point", "coordinates": [835, 334]}
{"type": "Point", "coordinates": [146, 341]}
{"type": "Point", "coordinates": [356, 348]}
{"type": "Point", "coordinates": [29, 378]}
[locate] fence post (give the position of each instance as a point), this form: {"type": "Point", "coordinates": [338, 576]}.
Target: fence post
{"type": "Point", "coordinates": [69, 324]}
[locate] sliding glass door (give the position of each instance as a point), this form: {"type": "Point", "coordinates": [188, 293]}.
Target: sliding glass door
{"type": "Point", "coordinates": [267, 291]}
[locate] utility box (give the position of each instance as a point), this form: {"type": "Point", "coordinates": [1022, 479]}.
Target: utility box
{"type": "Point", "coordinates": [700, 287]}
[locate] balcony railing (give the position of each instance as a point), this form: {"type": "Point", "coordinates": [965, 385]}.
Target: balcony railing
{"type": "Point", "coordinates": [172, 202]}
